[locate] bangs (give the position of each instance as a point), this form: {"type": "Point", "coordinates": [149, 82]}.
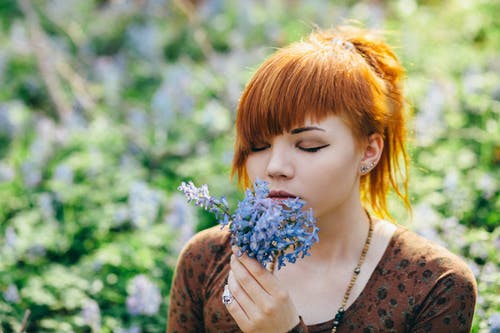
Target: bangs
{"type": "Point", "coordinates": [301, 83]}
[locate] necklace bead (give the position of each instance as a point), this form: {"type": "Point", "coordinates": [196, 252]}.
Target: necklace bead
{"type": "Point", "coordinates": [340, 312]}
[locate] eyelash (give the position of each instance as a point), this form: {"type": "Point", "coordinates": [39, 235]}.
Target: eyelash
{"type": "Point", "coordinates": [308, 150]}
{"type": "Point", "coordinates": [257, 149]}
{"type": "Point", "coordinates": [313, 149]}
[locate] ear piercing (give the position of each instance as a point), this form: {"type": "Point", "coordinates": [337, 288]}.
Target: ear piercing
{"type": "Point", "coordinates": [365, 168]}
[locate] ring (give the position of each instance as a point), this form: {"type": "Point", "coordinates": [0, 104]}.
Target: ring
{"type": "Point", "coordinates": [227, 298]}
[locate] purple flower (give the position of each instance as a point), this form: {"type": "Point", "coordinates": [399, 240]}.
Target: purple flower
{"type": "Point", "coordinates": [11, 239]}
{"type": "Point", "coordinates": [7, 173]}
{"type": "Point", "coordinates": [91, 315]}
{"type": "Point", "coordinates": [144, 204]}
{"type": "Point", "coordinates": [132, 329]}
{"type": "Point", "coordinates": [181, 220]}
{"type": "Point", "coordinates": [202, 198]}
{"type": "Point", "coordinates": [63, 173]}
{"type": "Point", "coordinates": [144, 297]}
{"type": "Point", "coordinates": [36, 252]}
{"type": "Point", "coordinates": [264, 229]}
{"type": "Point", "coordinates": [11, 295]}
{"type": "Point", "coordinates": [494, 322]}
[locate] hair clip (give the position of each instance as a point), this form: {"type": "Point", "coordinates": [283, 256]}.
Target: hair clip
{"type": "Point", "coordinates": [345, 44]}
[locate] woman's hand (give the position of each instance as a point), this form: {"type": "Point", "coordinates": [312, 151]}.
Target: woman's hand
{"type": "Point", "coordinates": [260, 304]}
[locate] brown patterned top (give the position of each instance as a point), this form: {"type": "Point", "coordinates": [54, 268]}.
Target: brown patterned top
{"type": "Point", "coordinates": [416, 287]}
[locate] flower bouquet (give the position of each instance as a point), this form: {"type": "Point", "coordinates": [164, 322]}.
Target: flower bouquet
{"type": "Point", "coordinates": [265, 229]}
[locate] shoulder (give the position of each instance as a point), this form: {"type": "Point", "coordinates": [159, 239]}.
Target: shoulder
{"type": "Point", "coordinates": [206, 244]}
{"type": "Point", "coordinates": [439, 284]}
{"type": "Point", "coordinates": [424, 251]}
{"type": "Point", "coordinates": [424, 284]}
{"type": "Point", "coordinates": [429, 260]}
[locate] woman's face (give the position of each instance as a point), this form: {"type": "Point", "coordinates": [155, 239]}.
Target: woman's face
{"type": "Point", "coordinates": [317, 162]}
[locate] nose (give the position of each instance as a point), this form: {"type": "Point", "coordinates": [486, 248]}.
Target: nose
{"type": "Point", "coordinates": [279, 164]}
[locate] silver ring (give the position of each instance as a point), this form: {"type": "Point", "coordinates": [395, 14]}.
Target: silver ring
{"type": "Point", "coordinates": [227, 298]}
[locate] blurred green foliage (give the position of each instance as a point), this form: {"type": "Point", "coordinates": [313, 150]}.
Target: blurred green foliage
{"type": "Point", "coordinates": [106, 106]}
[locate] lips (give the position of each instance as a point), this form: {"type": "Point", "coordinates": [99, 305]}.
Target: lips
{"type": "Point", "coordinates": [281, 195]}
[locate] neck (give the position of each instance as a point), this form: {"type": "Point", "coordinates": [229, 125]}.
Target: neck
{"type": "Point", "coordinates": [342, 234]}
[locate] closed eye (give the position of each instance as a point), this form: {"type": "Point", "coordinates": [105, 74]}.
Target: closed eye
{"type": "Point", "coordinates": [258, 148]}
{"type": "Point", "coordinates": [313, 149]}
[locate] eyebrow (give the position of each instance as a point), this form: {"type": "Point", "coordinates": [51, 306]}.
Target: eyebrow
{"type": "Point", "coordinates": [304, 129]}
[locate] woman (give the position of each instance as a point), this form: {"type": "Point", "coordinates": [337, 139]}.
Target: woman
{"type": "Point", "coordinates": [322, 119]}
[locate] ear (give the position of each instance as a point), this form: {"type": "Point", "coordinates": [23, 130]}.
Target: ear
{"type": "Point", "coordinates": [371, 153]}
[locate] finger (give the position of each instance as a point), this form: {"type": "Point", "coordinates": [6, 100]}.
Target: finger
{"type": "Point", "coordinates": [251, 263]}
{"type": "Point", "coordinates": [260, 274]}
{"type": "Point", "coordinates": [242, 309]}
{"type": "Point", "coordinates": [237, 312]}
{"type": "Point", "coordinates": [244, 299]}
{"type": "Point", "coordinates": [249, 283]}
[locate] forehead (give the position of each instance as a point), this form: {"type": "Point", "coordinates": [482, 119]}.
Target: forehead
{"type": "Point", "coordinates": [330, 125]}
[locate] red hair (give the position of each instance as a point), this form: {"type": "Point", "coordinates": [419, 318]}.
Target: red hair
{"type": "Point", "coordinates": [349, 72]}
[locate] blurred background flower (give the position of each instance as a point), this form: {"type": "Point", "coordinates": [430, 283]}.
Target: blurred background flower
{"type": "Point", "coordinates": [106, 106]}
{"type": "Point", "coordinates": [91, 315]}
{"type": "Point", "coordinates": [144, 297]}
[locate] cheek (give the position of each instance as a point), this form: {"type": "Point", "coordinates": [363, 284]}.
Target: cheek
{"type": "Point", "coordinates": [253, 166]}
{"type": "Point", "coordinates": [338, 166]}
{"type": "Point", "coordinates": [332, 177]}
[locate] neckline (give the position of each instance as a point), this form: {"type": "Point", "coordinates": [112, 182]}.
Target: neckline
{"type": "Point", "coordinates": [367, 286]}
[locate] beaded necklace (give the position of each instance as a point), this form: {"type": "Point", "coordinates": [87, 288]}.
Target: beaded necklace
{"type": "Point", "coordinates": [340, 312]}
